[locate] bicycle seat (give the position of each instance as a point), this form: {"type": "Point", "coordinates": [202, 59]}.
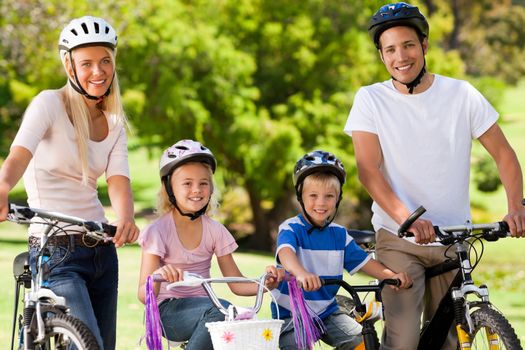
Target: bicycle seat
{"type": "Point", "coordinates": [362, 237]}
{"type": "Point", "coordinates": [20, 264]}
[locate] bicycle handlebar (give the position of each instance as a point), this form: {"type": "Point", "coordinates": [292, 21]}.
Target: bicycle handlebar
{"type": "Point", "coordinates": [23, 215]}
{"type": "Point", "coordinates": [192, 280]}
{"type": "Point", "coordinates": [448, 234]}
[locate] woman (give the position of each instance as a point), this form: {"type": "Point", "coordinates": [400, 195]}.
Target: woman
{"type": "Point", "coordinates": [68, 139]}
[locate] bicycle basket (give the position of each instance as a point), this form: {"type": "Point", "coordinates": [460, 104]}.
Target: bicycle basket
{"type": "Point", "coordinates": [245, 334]}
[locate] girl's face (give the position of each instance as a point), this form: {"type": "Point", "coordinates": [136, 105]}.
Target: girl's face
{"type": "Point", "coordinates": [94, 66]}
{"type": "Point", "coordinates": [319, 200]}
{"type": "Point", "coordinates": [192, 186]}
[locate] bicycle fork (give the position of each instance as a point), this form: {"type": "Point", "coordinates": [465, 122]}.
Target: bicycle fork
{"type": "Point", "coordinates": [464, 324]}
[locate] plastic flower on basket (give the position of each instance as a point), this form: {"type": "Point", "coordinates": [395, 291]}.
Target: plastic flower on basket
{"type": "Point", "coordinates": [267, 334]}
{"type": "Point", "coordinates": [228, 337]}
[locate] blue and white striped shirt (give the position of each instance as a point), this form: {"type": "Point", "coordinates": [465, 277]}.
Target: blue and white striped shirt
{"type": "Point", "coordinates": [326, 253]}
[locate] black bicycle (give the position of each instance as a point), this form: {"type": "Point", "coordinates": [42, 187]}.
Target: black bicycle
{"type": "Point", "coordinates": [478, 323]}
{"type": "Point", "coordinates": [45, 322]}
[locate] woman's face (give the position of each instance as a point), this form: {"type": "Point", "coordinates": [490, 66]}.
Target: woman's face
{"type": "Point", "coordinates": [94, 66]}
{"type": "Point", "coordinates": [192, 186]}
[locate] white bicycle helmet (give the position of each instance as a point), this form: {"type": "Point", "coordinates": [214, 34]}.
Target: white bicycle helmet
{"type": "Point", "coordinates": [86, 31]}
{"type": "Point", "coordinates": [182, 152]}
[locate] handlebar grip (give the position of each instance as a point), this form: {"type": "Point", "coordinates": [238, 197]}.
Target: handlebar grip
{"type": "Point", "coordinates": [109, 229]}
{"type": "Point", "coordinates": [391, 281]}
{"type": "Point", "coordinates": [157, 277]}
{"type": "Point", "coordinates": [402, 231]}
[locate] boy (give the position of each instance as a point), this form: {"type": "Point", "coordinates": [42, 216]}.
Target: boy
{"type": "Point", "coordinates": [310, 247]}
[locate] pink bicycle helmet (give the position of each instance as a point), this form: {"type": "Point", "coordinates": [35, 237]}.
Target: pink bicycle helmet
{"type": "Point", "coordinates": [183, 152]}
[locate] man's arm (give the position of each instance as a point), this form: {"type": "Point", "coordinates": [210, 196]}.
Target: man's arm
{"type": "Point", "coordinates": [510, 174]}
{"type": "Point", "coordinates": [369, 158]}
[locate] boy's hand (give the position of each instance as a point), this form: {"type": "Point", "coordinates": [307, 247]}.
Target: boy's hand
{"type": "Point", "coordinates": [273, 276]}
{"type": "Point", "coordinates": [308, 281]}
{"type": "Point", "coordinates": [406, 281]}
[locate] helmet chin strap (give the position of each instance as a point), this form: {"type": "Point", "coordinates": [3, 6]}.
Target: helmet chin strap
{"type": "Point", "coordinates": [193, 216]}
{"type": "Point", "coordinates": [78, 87]}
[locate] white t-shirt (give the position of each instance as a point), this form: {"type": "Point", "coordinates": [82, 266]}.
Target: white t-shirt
{"type": "Point", "coordinates": [53, 178]}
{"type": "Point", "coordinates": [161, 238]}
{"type": "Point", "coordinates": [426, 142]}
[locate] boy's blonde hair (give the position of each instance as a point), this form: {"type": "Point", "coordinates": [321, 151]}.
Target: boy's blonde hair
{"type": "Point", "coordinates": [325, 179]}
{"type": "Point", "coordinates": [164, 205]}
{"type": "Point", "coordinates": [78, 111]}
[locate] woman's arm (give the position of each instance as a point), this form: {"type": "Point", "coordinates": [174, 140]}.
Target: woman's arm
{"type": "Point", "coordinates": [12, 170]}
{"type": "Point", "coordinates": [119, 190]}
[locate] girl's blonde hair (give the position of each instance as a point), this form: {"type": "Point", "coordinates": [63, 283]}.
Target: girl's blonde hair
{"type": "Point", "coordinates": [163, 202]}
{"type": "Point", "coordinates": [78, 111]}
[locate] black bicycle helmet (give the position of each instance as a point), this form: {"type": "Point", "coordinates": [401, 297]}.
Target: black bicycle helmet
{"type": "Point", "coordinates": [315, 162]}
{"type": "Point", "coordinates": [318, 161]}
{"type": "Point", "coordinates": [397, 14]}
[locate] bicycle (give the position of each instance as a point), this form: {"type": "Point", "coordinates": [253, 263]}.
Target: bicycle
{"type": "Point", "coordinates": [240, 329]}
{"type": "Point", "coordinates": [45, 322]}
{"type": "Point", "coordinates": [479, 325]}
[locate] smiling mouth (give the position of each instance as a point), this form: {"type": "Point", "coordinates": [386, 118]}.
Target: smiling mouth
{"type": "Point", "coordinates": [404, 68]}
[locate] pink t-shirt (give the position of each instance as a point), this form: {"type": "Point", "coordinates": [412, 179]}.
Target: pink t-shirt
{"type": "Point", "coordinates": [53, 178]}
{"type": "Point", "coordinates": [160, 238]}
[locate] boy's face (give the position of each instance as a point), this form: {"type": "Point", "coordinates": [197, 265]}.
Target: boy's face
{"type": "Point", "coordinates": [319, 200]}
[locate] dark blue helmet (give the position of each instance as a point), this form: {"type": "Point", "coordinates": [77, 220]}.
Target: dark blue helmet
{"type": "Point", "coordinates": [318, 161]}
{"type": "Point", "coordinates": [393, 15]}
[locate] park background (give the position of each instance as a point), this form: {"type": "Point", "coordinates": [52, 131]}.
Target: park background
{"type": "Point", "coordinates": [261, 83]}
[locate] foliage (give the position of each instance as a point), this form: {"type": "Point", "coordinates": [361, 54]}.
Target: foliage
{"type": "Point", "coordinates": [260, 82]}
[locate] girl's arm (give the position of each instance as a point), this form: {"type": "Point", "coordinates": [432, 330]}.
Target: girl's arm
{"type": "Point", "coordinates": [150, 265]}
{"type": "Point", "coordinates": [119, 191]}
{"type": "Point", "coordinates": [377, 270]}
{"type": "Point", "coordinates": [229, 269]}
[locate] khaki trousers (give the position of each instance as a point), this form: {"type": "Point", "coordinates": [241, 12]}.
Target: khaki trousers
{"type": "Point", "coordinates": [405, 309]}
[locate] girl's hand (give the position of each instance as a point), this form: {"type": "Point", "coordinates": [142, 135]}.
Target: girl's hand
{"type": "Point", "coordinates": [308, 281]}
{"type": "Point", "coordinates": [170, 273]}
{"type": "Point", "coordinates": [273, 276]}
{"type": "Point", "coordinates": [406, 281]}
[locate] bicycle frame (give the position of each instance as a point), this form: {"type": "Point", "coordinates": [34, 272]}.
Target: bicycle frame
{"type": "Point", "coordinates": [39, 300]}
{"type": "Point", "coordinates": [455, 306]}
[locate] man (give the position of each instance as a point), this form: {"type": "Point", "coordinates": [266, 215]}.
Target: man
{"type": "Point", "coordinates": [412, 138]}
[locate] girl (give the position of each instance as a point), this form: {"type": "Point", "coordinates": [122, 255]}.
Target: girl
{"type": "Point", "coordinates": [184, 238]}
{"type": "Point", "coordinates": [67, 140]}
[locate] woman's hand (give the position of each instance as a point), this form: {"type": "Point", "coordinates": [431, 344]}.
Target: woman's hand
{"type": "Point", "coordinates": [127, 232]}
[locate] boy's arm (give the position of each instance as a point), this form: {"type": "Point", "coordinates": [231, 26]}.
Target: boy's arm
{"type": "Point", "coordinates": [377, 270]}
{"type": "Point", "coordinates": [288, 259]}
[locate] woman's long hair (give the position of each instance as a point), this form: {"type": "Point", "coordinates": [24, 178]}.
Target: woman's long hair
{"type": "Point", "coordinates": [78, 112]}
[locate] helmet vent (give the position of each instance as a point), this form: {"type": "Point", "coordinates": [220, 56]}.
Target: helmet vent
{"type": "Point", "coordinates": [182, 148]}
{"type": "Point", "coordinates": [84, 26]}
{"type": "Point", "coordinates": [96, 27]}
{"type": "Point", "coordinates": [74, 32]}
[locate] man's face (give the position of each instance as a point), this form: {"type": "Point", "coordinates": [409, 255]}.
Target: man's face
{"type": "Point", "coordinates": [402, 53]}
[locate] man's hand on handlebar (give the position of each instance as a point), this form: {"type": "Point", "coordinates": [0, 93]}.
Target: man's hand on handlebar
{"type": "Point", "coordinates": [423, 231]}
{"type": "Point", "coordinates": [516, 221]}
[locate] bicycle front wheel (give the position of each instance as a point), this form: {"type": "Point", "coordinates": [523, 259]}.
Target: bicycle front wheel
{"type": "Point", "coordinates": [492, 331]}
{"type": "Point", "coordinates": [64, 332]}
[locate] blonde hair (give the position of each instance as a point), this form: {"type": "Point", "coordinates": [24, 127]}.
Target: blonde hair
{"type": "Point", "coordinates": [163, 202]}
{"type": "Point", "coordinates": [324, 179]}
{"type": "Point", "coordinates": [78, 111]}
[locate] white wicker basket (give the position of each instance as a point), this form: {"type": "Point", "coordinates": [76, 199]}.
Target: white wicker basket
{"type": "Point", "coordinates": [245, 334]}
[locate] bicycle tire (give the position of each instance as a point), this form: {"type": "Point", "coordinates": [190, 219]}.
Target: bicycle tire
{"type": "Point", "coordinates": [487, 320]}
{"type": "Point", "coordinates": [64, 331]}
